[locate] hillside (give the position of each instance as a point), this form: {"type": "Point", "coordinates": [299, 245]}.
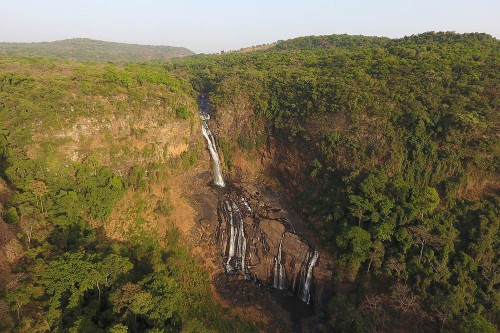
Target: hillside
{"type": "Point", "coordinates": [386, 150]}
{"type": "Point", "coordinates": [390, 149]}
{"type": "Point", "coordinates": [330, 41]}
{"type": "Point", "coordinates": [91, 216]}
{"type": "Point", "coordinates": [84, 49]}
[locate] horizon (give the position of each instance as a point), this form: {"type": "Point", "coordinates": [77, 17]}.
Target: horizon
{"type": "Point", "coordinates": [226, 26]}
{"type": "Point", "coordinates": [232, 50]}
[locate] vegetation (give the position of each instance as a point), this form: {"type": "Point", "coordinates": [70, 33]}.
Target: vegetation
{"type": "Point", "coordinates": [389, 148]}
{"type": "Point", "coordinates": [399, 165]}
{"type": "Point", "coordinates": [79, 151]}
{"type": "Point", "coordinates": [84, 49]}
{"type": "Point", "coordinates": [182, 112]}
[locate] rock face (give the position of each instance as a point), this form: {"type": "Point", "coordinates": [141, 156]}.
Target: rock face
{"type": "Point", "coordinates": [253, 240]}
{"type": "Point", "coordinates": [256, 241]}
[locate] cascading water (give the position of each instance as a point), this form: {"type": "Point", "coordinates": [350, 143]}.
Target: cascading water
{"type": "Point", "coordinates": [279, 271]}
{"type": "Point", "coordinates": [306, 276]}
{"type": "Point", "coordinates": [232, 239]}
{"type": "Point", "coordinates": [235, 210]}
{"type": "Point", "coordinates": [237, 242]}
{"type": "Point", "coordinates": [218, 179]}
{"type": "Point", "coordinates": [204, 111]}
{"type": "Point", "coordinates": [242, 241]}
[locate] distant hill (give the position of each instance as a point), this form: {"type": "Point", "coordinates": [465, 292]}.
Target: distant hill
{"type": "Point", "coordinates": [84, 49]}
{"type": "Point", "coordinates": [328, 41]}
{"type": "Point", "coordinates": [350, 42]}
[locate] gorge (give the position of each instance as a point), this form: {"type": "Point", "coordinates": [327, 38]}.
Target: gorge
{"type": "Point", "coordinates": [253, 243]}
{"type": "Point", "coordinates": [323, 184]}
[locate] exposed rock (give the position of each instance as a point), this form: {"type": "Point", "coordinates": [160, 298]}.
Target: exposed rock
{"type": "Point", "coordinates": [273, 230]}
{"type": "Point", "coordinates": [258, 246]}
{"type": "Point", "coordinates": [255, 241]}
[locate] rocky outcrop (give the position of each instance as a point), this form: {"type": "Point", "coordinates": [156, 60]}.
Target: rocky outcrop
{"type": "Point", "coordinates": [256, 242]}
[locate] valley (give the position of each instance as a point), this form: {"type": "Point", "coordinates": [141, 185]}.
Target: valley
{"type": "Point", "coordinates": [320, 184]}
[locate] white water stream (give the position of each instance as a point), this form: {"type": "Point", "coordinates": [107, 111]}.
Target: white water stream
{"type": "Point", "coordinates": [279, 271]}
{"type": "Point", "coordinates": [218, 179]}
{"type": "Point", "coordinates": [305, 290]}
{"type": "Point", "coordinates": [236, 246]}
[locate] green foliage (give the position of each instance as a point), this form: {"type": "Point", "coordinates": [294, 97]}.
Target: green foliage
{"type": "Point", "coordinates": [332, 41]}
{"type": "Point", "coordinates": [182, 112]}
{"type": "Point", "coordinates": [84, 49]}
{"type": "Point", "coordinates": [400, 171]}
{"type": "Point", "coordinates": [114, 75]}
{"type": "Point", "coordinates": [69, 275]}
{"type": "Point", "coordinates": [118, 328]}
{"type": "Point", "coordinates": [476, 323]}
{"type": "Point", "coordinates": [356, 243]}
{"type": "Point", "coordinates": [163, 209]}
{"type": "Point", "coordinates": [73, 278]}
{"type": "Point", "coordinates": [99, 188]}
{"type": "Point", "coordinates": [246, 143]}
{"type": "Point", "coordinates": [136, 178]}
{"type": "Point", "coordinates": [189, 158]}
{"type": "Point", "coordinates": [140, 286]}
{"type": "Point", "coordinates": [228, 149]}
{"type": "Point", "coordinates": [400, 178]}
{"type": "Point", "coordinates": [11, 215]}
{"type": "Point", "coordinates": [65, 208]}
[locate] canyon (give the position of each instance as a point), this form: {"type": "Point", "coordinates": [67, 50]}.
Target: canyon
{"type": "Point", "coordinates": [254, 234]}
{"type": "Point", "coordinates": [326, 184]}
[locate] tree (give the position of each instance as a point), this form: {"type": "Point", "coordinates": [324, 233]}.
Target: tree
{"type": "Point", "coordinates": [359, 206]}
{"type": "Point", "coordinates": [405, 300]}
{"type": "Point", "coordinates": [39, 189]}
{"type": "Point", "coordinates": [66, 280]}
{"type": "Point", "coordinates": [425, 200]}
{"type": "Point", "coordinates": [118, 328]}
{"type": "Point", "coordinates": [109, 270]}
{"type": "Point", "coordinates": [11, 215]}
{"type": "Point", "coordinates": [130, 301]}
{"type": "Point", "coordinates": [373, 306]}
{"type": "Point", "coordinates": [19, 298]}
{"type": "Point", "coordinates": [65, 209]}
{"type": "Point", "coordinates": [376, 255]}
{"type": "Point", "coordinates": [423, 237]}
{"type": "Point", "coordinates": [475, 323]}
{"type": "Point", "coordinates": [356, 244]}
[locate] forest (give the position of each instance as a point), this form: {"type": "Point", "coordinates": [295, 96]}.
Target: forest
{"type": "Point", "coordinates": [388, 148]}
{"type": "Point", "coordinates": [91, 50]}
{"type": "Point", "coordinates": [61, 192]}
{"type": "Point", "coordinates": [398, 165]}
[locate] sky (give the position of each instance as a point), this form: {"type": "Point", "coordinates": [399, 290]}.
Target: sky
{"type": "Point", "coordinates": [216, 25]}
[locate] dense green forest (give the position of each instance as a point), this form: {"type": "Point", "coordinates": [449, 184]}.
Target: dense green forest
{"type": "Point", "coordinates": [60, 189]}
{"type": "Point", "coordinates": [389, 149]}
{"type": "Point", "coordinates": [398, 165]}
{"type": "Point", "coordinates": [84, 49]}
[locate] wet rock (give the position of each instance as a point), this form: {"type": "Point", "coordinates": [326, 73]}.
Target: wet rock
{"type": "Point", "coordinates": [267, 250]}
{"type": "Point", "coordinates": [272, 230]}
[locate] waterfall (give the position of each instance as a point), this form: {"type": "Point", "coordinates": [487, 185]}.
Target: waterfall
{"type": "Point", "coordinates": [218, 179]}
{"type": "Point", "coordinates": [247, 206]}
{"type": "Point", "coordinates": [279, 271]}
{"type": "Point", "coordinates": [237, 241]}
{"type": "Point", "coordinates": [242, 241]}
{"type": "Point", "coordinates": [235, 212]}
{"type": "Point", "coordinates": [232, 238]}
{"type": "Point", "coordinates": [306, 276]}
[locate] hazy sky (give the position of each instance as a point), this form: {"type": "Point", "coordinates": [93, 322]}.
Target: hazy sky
{"type": "Point", "coordinates": [212, 26]}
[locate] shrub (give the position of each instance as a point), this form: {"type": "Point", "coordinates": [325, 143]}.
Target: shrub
{"type": "Point", "coordinates": [182, 112]}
